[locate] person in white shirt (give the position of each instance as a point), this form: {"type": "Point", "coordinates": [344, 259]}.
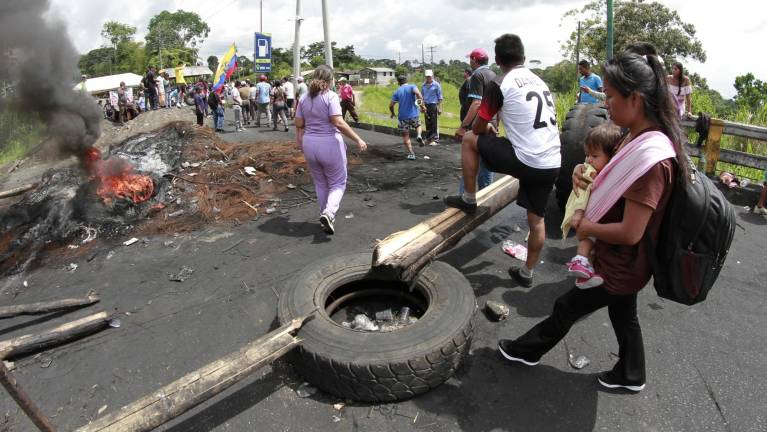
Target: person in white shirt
{"type": "Point", "coordinates": [301, 88]}
{"type": "Point", "coordinates": [237, 107]}
{"type": "Point", "coordinates": [290, 95]}
{"type": "Point", "coordinates": [530, 153]}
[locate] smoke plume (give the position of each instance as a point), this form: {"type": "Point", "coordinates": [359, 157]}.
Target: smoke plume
{"type": "Point", "coordinates": [39, 62]}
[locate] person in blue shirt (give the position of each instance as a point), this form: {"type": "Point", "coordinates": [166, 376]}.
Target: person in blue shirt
{"type": "Point", "coordinates": [588, 81]}
{"type": "Point", "coordinates": [432, 97]}
{"type": "Point", "coordinates": [263, 97]}
{"type": "Point", "coordinates": [409, 99]}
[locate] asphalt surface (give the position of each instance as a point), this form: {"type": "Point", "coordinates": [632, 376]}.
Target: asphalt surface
{"type": "Point", "coordinates": [706, 364]}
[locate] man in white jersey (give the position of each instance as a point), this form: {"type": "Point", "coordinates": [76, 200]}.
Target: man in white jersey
{"type": "Point", "coordinates": [530, 153]}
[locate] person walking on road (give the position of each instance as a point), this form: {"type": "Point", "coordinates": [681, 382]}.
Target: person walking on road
{"type": "Point", "coordinates": [481, 76]}
{"type": "Point", "coordinates": [279, 105]}
{"type": "Point", "coordinates": [409, 99]}
{"type": "Point", "coordinates": [432, 97]}
{"type": "Point", "coordinates": [199, 105]}
{"type": "Point", "coordinates": [237, 108]}
{"type": "Point", "coordinates": [589, 82]}
{"type": "Point", "coordinates": [627, 204]}
{"type": "Point", "coordinates": [530, 152]}
{"type": "Point", "coordinates": [301, 88]}
{"type": "Point", "coordinates": [348, 101]}
{"type": "Point", "coordinates": [217, 108]}
{"type": "Point", "coordinates": [178, 71]}
{"type": "Point", "coordinates": [263, 97]}
{"type": "Point", "coordinates": [290, 95]}
{"type": "Point", "coordinates": [319, 126]}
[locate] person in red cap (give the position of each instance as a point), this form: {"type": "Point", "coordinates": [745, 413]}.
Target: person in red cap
{"type": "Point", "coordinates": [481, 75]}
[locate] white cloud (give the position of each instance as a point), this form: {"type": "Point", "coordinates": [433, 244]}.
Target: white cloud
{"type": "Point", "coordinates": [731, 36]}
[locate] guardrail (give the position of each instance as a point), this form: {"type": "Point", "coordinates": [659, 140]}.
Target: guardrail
{"type": "Point", "coordinates": [711, 153]}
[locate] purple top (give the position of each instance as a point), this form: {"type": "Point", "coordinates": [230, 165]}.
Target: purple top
{"type": "Point", "coordinates": [316, 113]}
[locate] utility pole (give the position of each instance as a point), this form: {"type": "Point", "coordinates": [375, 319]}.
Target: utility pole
{"type": "Point", "coordinates": [326, 27]}
{"type": "Point", "coordinates": [431, 54]}
{"type": "Point", "coordinates": [423, 58]}
{"type": "Point", "coordinates": [261, 17]}
{"type": "Point", "coordinates": [297, 43]}
{"type": "Point", "coordinates": [609, 29]}
{"type": "Point", "coordinates": [577, 52]}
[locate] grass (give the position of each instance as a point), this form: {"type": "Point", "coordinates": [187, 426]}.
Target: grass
{"type": "Point", "coordinates": [18, 133]}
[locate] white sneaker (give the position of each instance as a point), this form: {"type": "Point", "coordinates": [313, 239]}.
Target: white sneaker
{"type": "Point", "coordinates": [760, 210]}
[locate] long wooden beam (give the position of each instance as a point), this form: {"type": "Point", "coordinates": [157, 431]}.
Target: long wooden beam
{"type": "Point", "coordinates": [44, 307]}
{"type": "Point", "coordinates": [56, 336]}
{"type": "Point", "coordinates": [196, 387]}
{"type": "Point", "coordinates": [403, 254]}
{"type": "Point", "coordinates": [17, 191]}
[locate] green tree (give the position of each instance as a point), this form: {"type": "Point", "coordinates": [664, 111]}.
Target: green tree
{"type": "Point", "coordinates": [634, 21]}
{"type": "Point", "coordinates": [752, 92]}
{"type": "Point", "coordinates": [174, 37]}
{"type": "Point", "coordinates": [213, 63]}
{"type": "Point", "coordinates": [342, 57]}
{"type": "Point", "coordinates": [117, 33]}
{"type": "Point", "coordinates": [244, 65]}
{"type": "Point", "coordinates": [560, 77]}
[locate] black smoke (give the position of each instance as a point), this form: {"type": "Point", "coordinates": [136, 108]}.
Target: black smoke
{"type": "Point", "coordinates": [39, 64]}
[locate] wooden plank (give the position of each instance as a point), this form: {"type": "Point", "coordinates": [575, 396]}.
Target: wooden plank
{"type": "Point", "coordinates": [56, 336]}
{"type": "Point", "coordinates": [43, 307]}
{"type": "Point", "coordinates": [17, 191]}
{"type": "Point", "coordinates": [24, 401]}
{"type": "Point", "coordinates": [734, 157]}
{"type": "Point", "coordinates": [712, 145]}
{"type": "Point", "coordinates": [735, 129]}
{"type": "Point", "coordinates": [196, 387]}
{"type": "Point", "coordinates": [403, 254]}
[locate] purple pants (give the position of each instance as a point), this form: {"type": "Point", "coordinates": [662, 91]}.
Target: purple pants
{"type": "Point", "coordinates": [326, 157]}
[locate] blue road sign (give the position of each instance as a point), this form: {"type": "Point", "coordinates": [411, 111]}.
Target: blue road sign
{"type": "Point", "coordinates": [262, 55]}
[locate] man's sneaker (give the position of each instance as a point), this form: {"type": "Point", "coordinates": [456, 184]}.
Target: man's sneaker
{"type": "Point", "coordinates": [525, 281]}
{"type": "Point", "coordinates": [411, 156]}
{"type": "Point", "coordinates": [327, 224]}
{"type": "Point", "coordinates": [593, 281]}
{"type": "Point", "coordinates": [456, 201]}
{"type": "Point", "coordinates": [760, 210]}
{"type": "Point", "coordinates": [579, 269]}
{"type": "Point", "coordinates": [420, 140]}
{"type": "Point", "coordinates": [609, 380]}
{"type": "Point", "coordinates": [434, 143]}
{"type": "Point", "coordinates": [504, 346]}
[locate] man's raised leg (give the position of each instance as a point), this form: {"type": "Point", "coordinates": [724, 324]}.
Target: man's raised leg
{"type": "Point", "coordinates": [470, 165]}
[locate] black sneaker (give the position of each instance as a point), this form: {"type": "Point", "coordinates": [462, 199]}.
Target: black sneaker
{"type": "Point", "coordinates": [456, 201]}
{"type": "Point", "coordinates": [525, 281]}
{"type": "Point", "coordinates": [504, 346]}
{"type": "Point", "coordinates": [420, 140]}
{"type": "Point", "coordinates": [327, 224]}
{"type": "Point", "coordinates": [608, 379]}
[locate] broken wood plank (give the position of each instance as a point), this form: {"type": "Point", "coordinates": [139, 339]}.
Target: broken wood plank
{"type": "Point", "coordinates": [24, 401]}
{"type": "Point", "coordinates": [196, 387]}
{"type": "Point", "coordinates": [403, 254]}
{"type": "Point", "coordinates": [17, 191]}
{"type": "Point", "coordinates": [56, 336]}
{"type": "Point", "coordinates": [44, 307]}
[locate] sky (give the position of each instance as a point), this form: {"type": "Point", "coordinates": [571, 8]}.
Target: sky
{"type": "Point", "coordinates": [397, 28]}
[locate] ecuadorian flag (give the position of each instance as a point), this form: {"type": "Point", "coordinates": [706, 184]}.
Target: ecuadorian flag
{"type": "Point", "coordinates": [225, 68]}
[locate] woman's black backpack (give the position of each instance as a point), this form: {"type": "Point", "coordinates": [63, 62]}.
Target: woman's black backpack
{"type": "Point", "coordinates": [694, 239]}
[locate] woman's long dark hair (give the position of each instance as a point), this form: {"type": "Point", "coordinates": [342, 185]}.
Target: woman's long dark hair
{"type": "Point", "coordinates": [323, 77]}
{"type": "Point", "coordinates": [628, 73]}
{"type": "Point", "coordinates": [681, 77]}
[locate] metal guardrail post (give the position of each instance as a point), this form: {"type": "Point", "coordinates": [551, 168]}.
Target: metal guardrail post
{"type": "Point", "coordinates": [712, 145]}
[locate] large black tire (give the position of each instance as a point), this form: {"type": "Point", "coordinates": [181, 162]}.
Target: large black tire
{"type": "Point", "coordinates": [379, 366]}
{"type": "Point", "coordinates": [579, 120]}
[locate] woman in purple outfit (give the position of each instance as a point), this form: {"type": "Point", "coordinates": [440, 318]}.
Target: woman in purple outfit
{"type": "Point", "coordinates": [318, 123]}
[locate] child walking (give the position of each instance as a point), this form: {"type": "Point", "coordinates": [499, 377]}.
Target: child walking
{"type": "Point", "coordinates": [600, 146]}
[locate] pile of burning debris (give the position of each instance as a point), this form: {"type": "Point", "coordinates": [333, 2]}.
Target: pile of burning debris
{"type": "Point", "coordinates": [170, 180]}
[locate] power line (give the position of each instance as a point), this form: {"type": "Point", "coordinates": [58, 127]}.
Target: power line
{"type": "Point", "coordinates": [432, 49]}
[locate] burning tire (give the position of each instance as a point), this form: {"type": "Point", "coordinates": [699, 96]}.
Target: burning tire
{"type": "Point", "coordinates": [378, 366]}
{"type": "Point", "coordinates": [579, 120]}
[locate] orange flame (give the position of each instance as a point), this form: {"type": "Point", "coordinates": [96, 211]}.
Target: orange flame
{"type": "Point", "coordinates": [116, 180]}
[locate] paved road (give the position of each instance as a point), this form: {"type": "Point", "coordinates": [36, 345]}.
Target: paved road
{"type": "Point", "coordinates": [706, 364]}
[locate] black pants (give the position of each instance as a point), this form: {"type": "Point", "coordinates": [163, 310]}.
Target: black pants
{"type": "Point", "coordinates": [432, 128]}
{"type": "Point", "coordinates": [200, 116]}
{"type": "Point", "coordinates": [348, 106]}
{"type": "Point", "coordinates": [578, 303]}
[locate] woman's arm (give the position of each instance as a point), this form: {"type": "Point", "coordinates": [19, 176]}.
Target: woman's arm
{"type": "Point", "coordinates": [348, 132]}
{"type": "Point", "coordinates": [300, 125]}
{"type": "Point", "coordinates": [628, 232]}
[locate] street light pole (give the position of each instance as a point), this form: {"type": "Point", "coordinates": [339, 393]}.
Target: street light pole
{"type": "Point", "coordinates": [297, 43]}
{"type": "Point", "coordinates": [261, 18]}
{"type": "Point", "coordinates": [326, 27]}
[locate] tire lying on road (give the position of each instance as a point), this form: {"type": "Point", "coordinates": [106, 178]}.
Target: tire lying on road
{"type": "Point", "coordinates": [379, 366]}
{"type": "Point", "coordinates": [579, 120]}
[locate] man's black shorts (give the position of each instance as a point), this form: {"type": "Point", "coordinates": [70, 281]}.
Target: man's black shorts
{"type": "Point", "coordinates": [535, 184]}
{"type": "Point", "coordinates": [290, 103]}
